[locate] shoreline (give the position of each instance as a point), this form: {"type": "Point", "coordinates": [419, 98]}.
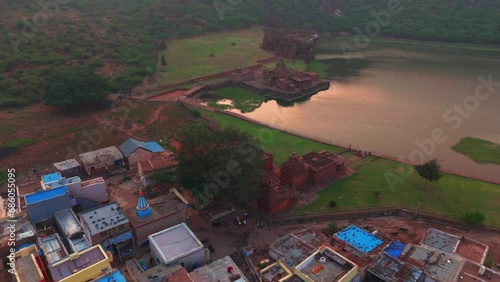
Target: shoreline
{"type": "Point", "coordinates": [318, 140]}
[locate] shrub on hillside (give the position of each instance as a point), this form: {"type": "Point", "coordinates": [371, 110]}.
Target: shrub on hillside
{"type": "Point", "coordinates": [474, 217]}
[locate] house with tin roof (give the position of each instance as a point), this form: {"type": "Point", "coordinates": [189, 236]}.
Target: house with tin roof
{"type": "Point", "coordinates": [136, 151]}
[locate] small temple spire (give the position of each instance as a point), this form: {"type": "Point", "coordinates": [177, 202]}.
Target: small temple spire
{"type": "Point", "coordinates": [142, 208]}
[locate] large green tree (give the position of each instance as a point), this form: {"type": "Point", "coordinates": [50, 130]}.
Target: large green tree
{"type": "Point", "coordinates": [73, 87]}
{"type": "Point", "coordinates": [219, 163]}
{"type": "Point", "coordinates": [430, 171]}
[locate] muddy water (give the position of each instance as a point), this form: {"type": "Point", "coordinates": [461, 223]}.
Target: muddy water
{"type": "Point", "coordinates": [391, 99]}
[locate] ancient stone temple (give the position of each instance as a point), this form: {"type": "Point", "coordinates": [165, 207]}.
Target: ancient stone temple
{"type": "Point", "coordinates": [275, 197]}
{"type": "Point", "coordinates": [294, 172]}
{"type": "Point", "coordinates": [291, 43]}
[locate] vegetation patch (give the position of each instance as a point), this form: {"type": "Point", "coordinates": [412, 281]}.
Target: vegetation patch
{"type": "Point", "coordinates": [191, 57]}
{"type": "Point", "coordinates": [18, 143]}
{"type": "Point", "coordinates": [242, 99]}
{"type": "Point", "coordinates": [319, 67]}
{"type": "Point", "coordinates": [278, 143]}
{"type": "Point", "coordinates": [479, 150]}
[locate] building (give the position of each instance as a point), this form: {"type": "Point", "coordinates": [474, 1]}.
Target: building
{"type": "Point", "coordinates": [217, 271]}
{"type": "Point", "coordinates": [56, 180]}
{"type": "Point", "coordinates": [29, 266]}
{"type": "Point", "coordinates": [275, 197]}
{"type": "Point", "coordinates": [23, 230]}
{"type": "Point", "coordinates": [53, 248]}
{"type": "Point", "coordinates": [107, 225]}
{"type": "Point", "coordinates": [390, 269]}
{"type": "Point", "coordinates": [83, 266]}
{"type": "Point", "coordinates": [102, 160]}
{"type": "Point", "coordinates": [326, 265]}
{"type": "Point", "coordinates": [294, 248]}
{"type": "Point", "coordinates": [72, 231]}
{"type": "Point", "coordinates": [93, 189]}
{"type": "Point", "coordinates": [166, 162]}
{"type": "Point", "coordinates": [177, 245]}
{"type": "Point", "coordinates": [357, 241]}
{"type": "Point", "coordinates": [146, 220]}
{"type": "Point", "coordinates": [313, 167]}
{"type": "Point", "coordinates": [112, 276]}
{"type": "Point", "coordinates": [136, 151]}
{"type": "Point", "coordinates": [275, 272]}
{"type": "Point", "coordinates": [69, 168]}
{"type": "Point", "coordinates": [158, 273]}
{"type": "Point", "coordinates": [45, 204]}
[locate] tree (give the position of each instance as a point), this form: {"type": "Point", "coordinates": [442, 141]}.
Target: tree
{"type": "Point", "coordinates": [163, 60]}
{"type": "Point", "coordinates": [377, 193]}
{"type": "Point", "coordinates": [219, 163]}
{"type": "Point", "coordinates": [473, 217]}
{"type": "Point", "coordinates": [72, 87]}
{"type": "Point", "coordinates": [430, 171]}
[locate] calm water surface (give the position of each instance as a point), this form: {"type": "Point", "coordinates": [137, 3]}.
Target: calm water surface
{"type": "Point", "coordinates": [388, 99]}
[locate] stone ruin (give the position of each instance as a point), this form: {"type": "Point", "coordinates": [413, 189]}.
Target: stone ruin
{"type": "Point", "coordinates": [291, 43]}
{"type": "Point", "coordinates": [287, 79]}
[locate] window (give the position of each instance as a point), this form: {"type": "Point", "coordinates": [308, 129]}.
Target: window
{"type": "Point", "coordinates": [104, 234]}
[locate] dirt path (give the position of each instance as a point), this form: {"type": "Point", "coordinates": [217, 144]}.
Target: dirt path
{"type": "Point", "coordinates": [134, 128]}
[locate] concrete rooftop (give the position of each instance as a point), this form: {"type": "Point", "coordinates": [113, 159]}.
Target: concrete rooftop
{"type": "Point", "coordinates": [217, 271]}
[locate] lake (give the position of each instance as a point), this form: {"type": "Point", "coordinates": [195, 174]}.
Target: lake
{"type": "Point", "coordinates": [393, 96]}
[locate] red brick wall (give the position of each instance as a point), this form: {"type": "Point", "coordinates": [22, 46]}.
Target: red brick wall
{"type": "Point", "coordinates": [295, 180]}
{"type": "Point", "coordinates": [323, 174]}
{"type": "Point", "coordinates": [139, 155]}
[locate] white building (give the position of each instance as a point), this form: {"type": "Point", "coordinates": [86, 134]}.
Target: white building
{"type": "Point", "coordinates": [177, 245]}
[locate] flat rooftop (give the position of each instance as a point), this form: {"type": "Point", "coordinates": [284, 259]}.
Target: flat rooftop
{"type": "Point", "coordinates": [62, 182]}
{"type": "Point", "coordinates": [51, 177]}
{"type": "Point", "coordinates": [359, 238]}
{"type": "Point", "coordinates": [103, 218]}
{"type": "Point", "coordinates": [113, 276]}
{"type": "Point", "coordinates": [101, 156]}
{"type": "Point", "coordinates": [389, 269]}
{"type": "Point", "coordinates": [174, 242]}
{"type": "Point", "coordinates": [45, 195]}
{"type": "Point", "coordinates": [217, 271]}
{"type": "Point", "coordinates": [318, 160]}
{"type": "Point", "coordinates": [326, 265]}
{"type": "Point", "coordinates": [53, 248]}
{"type": "Point", "coordinates": [275, 272]}
{"type": "Point", "coordinates": [67, 164]}
{"type": "Point", "coordinates": [85, 259]}
{"type": "Point", "coordinates": [437, 264]}
{"type": "Point", "coordinates": [27, 268]}
{"type": "Point", "coordinates": [440, 240]}
{"type": "Point", "coordinates": [68, 223]}
{"type": "Point", "coordinates": [291, 250]}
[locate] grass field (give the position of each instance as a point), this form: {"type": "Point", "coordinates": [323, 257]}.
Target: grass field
{"type": "Point", "coordinates": [280, 144]}
{"type": "Point", "coordinates": [242, 99]}
{"type": "Point", "coordinates": [479, 150]}
{"type": "Point", "coordinates": [450, 196]}
{"type": "Point", "coordinates": [190, 57]}
{"type": "Point", "coordinates": [293, 64]}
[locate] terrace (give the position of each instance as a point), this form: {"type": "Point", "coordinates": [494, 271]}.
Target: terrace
{"type": "Point", "coordinates": [217, 271]}
{"type": "Point", "coordinates": [440, 240]}
{"type": "Point", "coordinates": [326, 265]}
{"type": "Point", "coordinates": [275, 272]}
{"type": "Point", "coordinates": [395, 249]}
{"type": "Point", "coordinates": [359, 239]}
{"type": "Point", "coordinates": [53, 248]}
{"type": "Point", "coordinates": [389, 269]}
{"type": "Point", "coordinates": [290, 250]}
{"type": "Point", "coordinates": [77, 264]}
{"type": "Point", "coordinates": [444, 267]}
